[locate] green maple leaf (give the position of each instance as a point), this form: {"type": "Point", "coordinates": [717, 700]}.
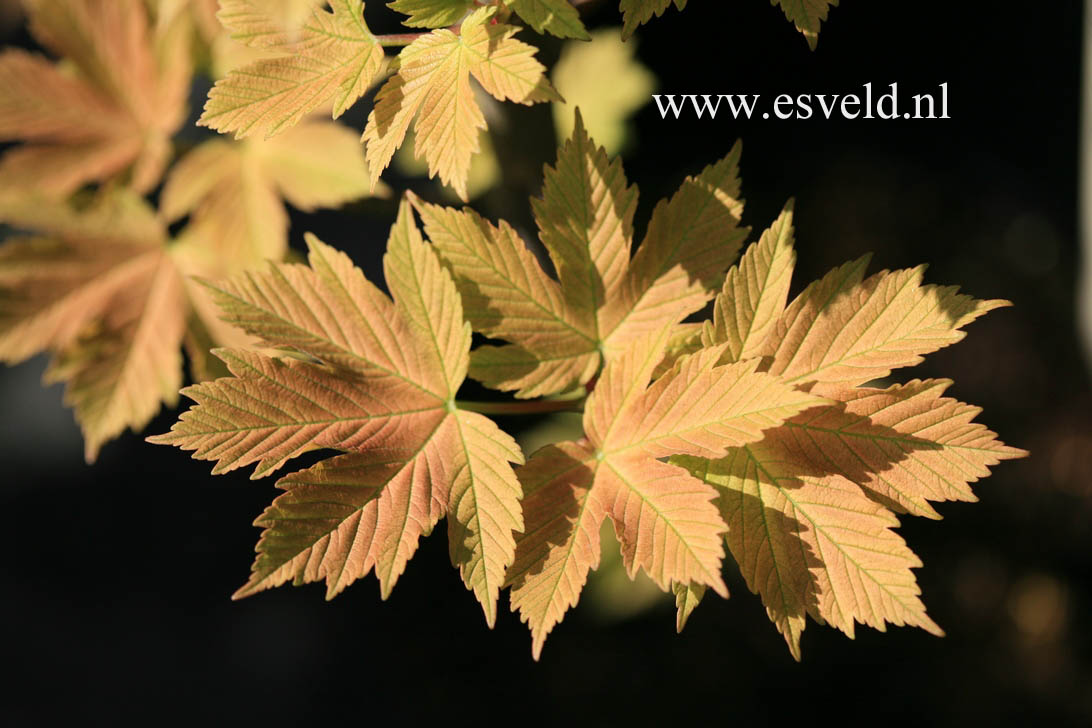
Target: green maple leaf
{"type": "Point", "coordinates": [639, 12]}
{"type": "Point", "coordinates": [432, 13]}
{"type": "Point", "coordinates": [807, 16]}
{"type": "Point", "coordinates": [556, 17]}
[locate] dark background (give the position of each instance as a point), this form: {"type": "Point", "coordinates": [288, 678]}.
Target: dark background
{"type": "Point", "coordinates": [116, 577]}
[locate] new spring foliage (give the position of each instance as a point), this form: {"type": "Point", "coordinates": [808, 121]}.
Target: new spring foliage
{"type": "Point", "coordinates": [755, 435]}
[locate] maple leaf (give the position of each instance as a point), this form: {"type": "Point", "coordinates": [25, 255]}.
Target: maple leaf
{"type": "Point", "coordinates": [846, 331]}
{"type": "Point", "coordinates": [750, 302]}
{"type": "Point", "coordinates": [379, 384]}
{"type": "Point", "coordinates": [639, 12]}
{"type": "Point", "coordinates": [433, 85]}
{"type": "Point", "coordinates": [807, 16]}
{"type": "Point", "coordinates": [100, 290]}
{"type": "Point", "coordinates": [556, 17]}
{"type": "Point", "coordinates": [687, 597]}
{"type": "Point", "coordinates": [106, 291]}
{"type": "Point", "coordinates": [432, 13]}
{"type": "Point", "coordinates": [561, 332]}
{"type": "Point", "coordinates": [754, 293]}
{"type": "Point", "coordinates": [484, 173]}
{"type": "Point", "coordinates": [233, 190]}
{"type": "Point", "coordinates": [905, 445]}
{"type": "Point", "coordinates": [812, 544]}
{"type": "Point", "coordinates": [664, 519]}
{"type": "Point", "coordinates": [332, 57]}
{"type": "Point", "coordinates": [809, 507]}
{"type": "Point", "coordinates": [113, 113]}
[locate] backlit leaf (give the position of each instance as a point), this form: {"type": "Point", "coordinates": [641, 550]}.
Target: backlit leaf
{"type": "Point", "coordinates": [560, 333]}
{"type": "Point", "coordinates": [378, 383]}
{"type": "Point", "coordinates": [904, 446]}
{"type": "Point", "coordinates": [754, 293]}
{"type": "Point", "coordinates": [845, 331]}
{"type": "Point", "coordinates": [484, 174]}
{"type": "Point", "coordinates": [812, 544]}
{"type": "Point", "coordinates": [664, 518]}
{"type": "Point", "coordinates": [809, 506]}
{"type": "Point", "coordinates": [432, 13]}
{"type": "Point", "coordinates": [120, 374]}
{"type": "Point", "coordinates": [690, 240]}
{"type": "Point", "coordinates": [687, 596]}
{"type": "Point", "coordinates": [556, 17]}
{"type": "Point", "coordinates": [639, 12]}
{"type": "Point", "coordinates": [807, 16]}
{"type": "Point", "coordinates": [433, 85]}
{"type": "Point", "coordinates": [560, 544]}
{"type": "Point", "coordinates": [331, 58]}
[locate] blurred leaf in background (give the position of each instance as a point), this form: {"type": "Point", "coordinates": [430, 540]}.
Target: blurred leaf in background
{"type": "Point", "coordinates": [234, 191]}
{"type": "Point", "coordinates": [107, 110]}
{"type": "Point", "coordinates": [606, 97]}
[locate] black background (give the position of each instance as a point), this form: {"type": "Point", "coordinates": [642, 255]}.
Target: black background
{"type": "Point", "coordinates": [116, 577]}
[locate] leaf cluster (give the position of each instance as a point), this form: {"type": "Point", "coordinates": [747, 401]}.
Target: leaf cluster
{"type": "Point", "coordinates": [97, 279]}
{"type": "Point", "coordinates": [759, 432]}
{"type": "Point", "coordinates": [334, 58]}
{"type": "Point", "coordinates": [719, 417]}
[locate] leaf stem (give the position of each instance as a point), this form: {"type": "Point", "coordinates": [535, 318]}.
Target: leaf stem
{"type": "Point", "coordinates": [534, 407]}
{"type": "Point", "coordinates": [398, 39]}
